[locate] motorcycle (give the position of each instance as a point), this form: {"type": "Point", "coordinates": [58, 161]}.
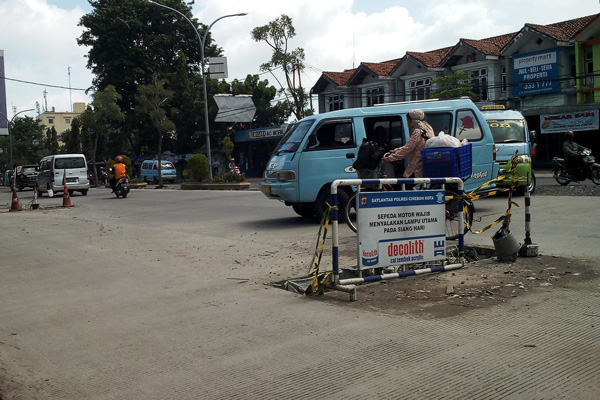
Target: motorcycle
{"type": "Point", "coordinates": [564, 175]}
{"type": "Point", "coordinates": [122, 187]}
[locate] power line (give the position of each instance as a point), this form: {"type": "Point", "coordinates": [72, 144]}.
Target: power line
{"type": "Point", "coordinates": [43, 84]}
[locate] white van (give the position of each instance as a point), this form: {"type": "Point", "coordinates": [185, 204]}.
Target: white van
{"type": "Point", "coordinates": [149, 171]}
{"type": "Point", "coordinates": [57, 170]}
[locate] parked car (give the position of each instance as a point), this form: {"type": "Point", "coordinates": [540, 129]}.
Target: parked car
{"type": "Point", "coordinates": [149, 171]}
{"type": "Point", "coordinates": [26, 175]}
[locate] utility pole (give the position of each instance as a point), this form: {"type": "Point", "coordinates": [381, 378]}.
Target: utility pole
{"type": "Point", "coordinates": [70, 98]}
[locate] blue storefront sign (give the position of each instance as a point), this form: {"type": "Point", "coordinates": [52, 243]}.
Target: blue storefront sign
{"type": "Point", "coordinates": [536, 73]}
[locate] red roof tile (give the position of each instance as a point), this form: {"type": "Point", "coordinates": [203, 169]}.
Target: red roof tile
{"type": "Point", "coordinates": [340, 78]}
{"type": "Point", "coordinates": [566, 30]}
{"type": "Point", "coordinates": [490, 46]}
{"type": "Point", "coordinates": [560, 31]}
{"type": "Point", "coordinates": [431, 58]}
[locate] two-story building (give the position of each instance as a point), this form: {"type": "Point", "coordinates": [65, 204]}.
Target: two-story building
{"type": "Point", "coordinates": [61, 121]}
{"type": "Point", "coordinates": [548, 72]}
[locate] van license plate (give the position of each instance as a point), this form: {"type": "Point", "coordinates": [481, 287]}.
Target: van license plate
{"type": "Point", "coordinates": [71, 179]}
{"type": "Point", "coordinates": [266, 189]}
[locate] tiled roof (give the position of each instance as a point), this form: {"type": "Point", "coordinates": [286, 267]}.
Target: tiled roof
{"type": "Point", "coordinates": [431, 58]}
{"type": "Point", "coordinates": [340, 78]}
{"type": "Point", "coordinates": [490, 46]}
{"type": "Point", "coordinates": [382, 68]}
{"type": "Point", "coordinates": [566, 30]}
{"type": "Point", "coordinates": [561, 31]}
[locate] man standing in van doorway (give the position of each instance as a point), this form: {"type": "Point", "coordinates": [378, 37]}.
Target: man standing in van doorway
{"type": "Point", "coordinates": [120, 170]}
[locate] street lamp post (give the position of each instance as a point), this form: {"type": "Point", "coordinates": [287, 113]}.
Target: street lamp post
{"type": "Point", "coordinates": [9, 134]}
{"type": "Point", "coordinates": [202, 41]}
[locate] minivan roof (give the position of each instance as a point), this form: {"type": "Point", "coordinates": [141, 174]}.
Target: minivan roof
{"type": "Point", "coordinates": [404, 107]}
{"type": "Point", "coordinates": [502, 114]}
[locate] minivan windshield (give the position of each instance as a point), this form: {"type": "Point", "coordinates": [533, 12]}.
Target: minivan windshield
{"type": "Point", "coordinates": [507, 130]}
{"type": "Point", "coordinates": [167, 165]}
{"type": "Point", "coordinates": [293, 137]}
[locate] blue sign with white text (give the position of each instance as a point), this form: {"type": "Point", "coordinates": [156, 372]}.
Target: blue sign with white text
{"type": "Point", "coordinates": [535, 73]}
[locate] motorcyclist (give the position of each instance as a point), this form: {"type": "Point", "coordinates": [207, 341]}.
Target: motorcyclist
{"type": "Point", "coordinates": [571, 150]}
{"type": "Point", "coordinates": [120, 170]}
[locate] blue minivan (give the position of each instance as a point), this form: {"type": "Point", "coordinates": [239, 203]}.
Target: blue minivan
{"type": "Point", "coordinates": [511, 134]}
{"type": "Point", "coordinates": [321, 148]}
{"type": "Point", "coordinates": [149, 171]}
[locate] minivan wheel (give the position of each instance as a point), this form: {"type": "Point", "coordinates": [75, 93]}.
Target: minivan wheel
{"type": "Point", "coordinates": [320, 205]}
{"type": "Point", "coordinates": [84, 192]}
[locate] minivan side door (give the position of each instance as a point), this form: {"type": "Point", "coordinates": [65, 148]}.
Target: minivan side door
{"type": "Point", "coordinates": [469, 126]}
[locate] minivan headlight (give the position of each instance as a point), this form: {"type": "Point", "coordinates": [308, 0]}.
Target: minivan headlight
{"type": "Point", "coordinates": [286, 176]}
{"type": "Point", "coordinates": [524, 159]}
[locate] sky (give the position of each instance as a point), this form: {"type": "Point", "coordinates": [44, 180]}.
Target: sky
{"type": "Point", "coordinates": [46, 69]}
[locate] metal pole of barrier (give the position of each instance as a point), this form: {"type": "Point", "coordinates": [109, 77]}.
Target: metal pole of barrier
{"type": "Point", "coordinates": [347, 285]}
{"type": "Point", "coordinates": [528, 249]}
{"type": "Point", "coordinates": [402, 274]}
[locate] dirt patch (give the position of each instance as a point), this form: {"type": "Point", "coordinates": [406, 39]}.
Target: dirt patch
{"type": "Point", "coordinates": [479, 285]}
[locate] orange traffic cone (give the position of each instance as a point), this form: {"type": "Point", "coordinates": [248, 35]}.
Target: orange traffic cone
{"type": "Point", "coordinates": [16, 204]}
{"type": "Point", "coordinates": [66, 198]}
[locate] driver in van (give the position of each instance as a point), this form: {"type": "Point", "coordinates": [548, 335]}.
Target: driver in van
{"type": "Point", "coordinates": [120, 170]}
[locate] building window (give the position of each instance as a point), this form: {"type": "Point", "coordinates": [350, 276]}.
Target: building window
{"type": "Point", "coordinates": [589, 62]}
{"type": "Point", "coordinates": [50, 120]}
{"type": "Point", "coordinates": [503, 78]}
{"type": "Point", "coordinates": [374, 96]}
{"type": "Point", "coordinates": [420, 89]}
{"type": "Point", "coordinates": [67, 120]}
{"type": "Point", "coordinates": [479, 82]}
{"type": "Point", "coordinates": [336, 102]}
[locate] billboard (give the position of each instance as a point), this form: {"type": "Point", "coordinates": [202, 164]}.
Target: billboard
{"type": "Point", "coordinates": [535, 73]}
{"type": "Point", "coordinates": [3, 115]}
{"type": "Point", "coordinates": [570, 121]}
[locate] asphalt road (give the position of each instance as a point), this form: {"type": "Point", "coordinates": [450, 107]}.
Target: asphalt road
{"type": "Point", "coordinates": [167, 295]}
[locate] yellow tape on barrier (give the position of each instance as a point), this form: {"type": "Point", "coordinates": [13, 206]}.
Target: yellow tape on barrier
{"type": "Point", "coordinates": [320, 280]}
{"type": "Point", "coordinates": [473, 196]}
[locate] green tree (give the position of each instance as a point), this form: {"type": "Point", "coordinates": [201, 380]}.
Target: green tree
{"type": "Point", "coordinates": [453, 86]}
{"type": "Point", "coordinates": [152, 100]}
{"type": "Point", "coordinates": [104, 116]}
{"type": "Point", "coordinates": [72, 137]}
{"type": "Point", "coordinates": [28, 142]}
{"type": "Point", "coordinates": [130, 42]}
{"type": "Point", "coordinates": [267, 112]}
{"type": "Point", "coordinates": [227, 147]}
{"type": "Point", "coordinates": [277, 34]}
{"type": "Point", "coordinates": [51, 142]}
{"type": "Point", "coordinates": [199, 167]}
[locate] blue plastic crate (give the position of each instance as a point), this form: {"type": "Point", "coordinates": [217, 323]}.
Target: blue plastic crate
{"type": "Point", "coordinates": [445, 162]}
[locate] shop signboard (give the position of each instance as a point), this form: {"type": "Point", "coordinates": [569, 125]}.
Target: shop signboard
{"type": "Point", "coordinates": [575, 121]}
{"type": "Point", "coordinates": [535, 73]}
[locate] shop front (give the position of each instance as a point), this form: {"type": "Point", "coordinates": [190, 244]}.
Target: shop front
{"type": "Point", "coordinates": [253, 147]}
